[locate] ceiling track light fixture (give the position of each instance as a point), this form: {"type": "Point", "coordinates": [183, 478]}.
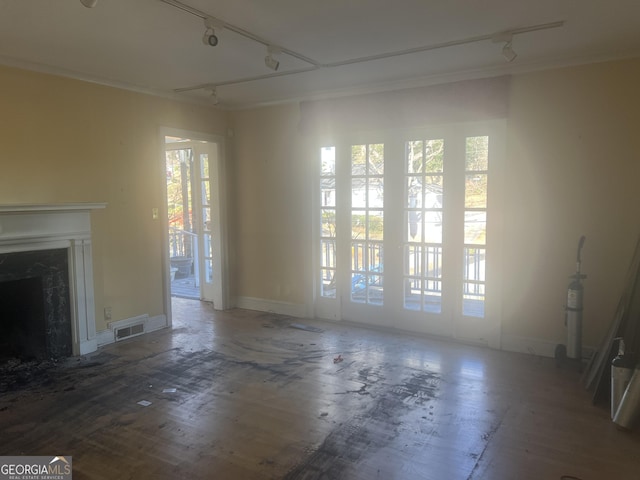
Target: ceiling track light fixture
{"type": "Point", "coordinates": [507, 50]}
{"type": "Point", "coordinates": [219, 24]}
{"type": "Point", "coordinates": [211, 25]}
{"type": "Point", "coordinates": [89, 3]}
{"type": "Point", "coordinates": [214, 94]}
{"type": "Point", "coordinates": [269, 60]}
{"type": "Point", "coordinates": [504, 37]}
{"type": "Point", "coordinates": [508, 53]}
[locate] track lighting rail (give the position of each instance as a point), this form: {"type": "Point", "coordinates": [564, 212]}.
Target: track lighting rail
{"type": "Point", "coordinates": [504, 36]}
{"type": "Point", "coordinates": [240, 31]}
{"type": "Point", "coordinates": [437, 46]}
{"type": "Point", "coordinates": [238, 81]}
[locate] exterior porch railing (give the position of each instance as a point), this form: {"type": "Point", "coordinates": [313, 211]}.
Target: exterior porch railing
{"type": "Point", "coordinates": [183, 252]}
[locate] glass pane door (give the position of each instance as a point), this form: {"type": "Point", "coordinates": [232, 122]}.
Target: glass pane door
{"type": "Point", "coordinates": [367, 224]}
{"type": "Point", "coordinates": [204, 229]}
{"type": "Point", "coordinates": [193, 218]}
{"type": "Point", "coordinates": [403, 232]}
{"type": "Point", "coordinates": [475, 225]}
{"type": "Point", "coordinates": [328, 245]}
{"type": "Point", "coordinates": [423, 217]}
{"type": "Point", "coordinates": [183, 239]}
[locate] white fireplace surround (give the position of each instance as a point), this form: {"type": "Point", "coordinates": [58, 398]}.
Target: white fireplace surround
{"type": "Point", "coordinates": [44, 227]}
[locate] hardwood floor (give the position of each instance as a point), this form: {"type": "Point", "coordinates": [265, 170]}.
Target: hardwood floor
{"type": "Point", "coordinates": [262, 396]}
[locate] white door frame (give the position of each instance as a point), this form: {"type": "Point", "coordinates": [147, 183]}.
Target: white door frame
{"type": "Point", "coordinates": [218, 212]}
{"type": "Point", "coordinates": [450, 322]}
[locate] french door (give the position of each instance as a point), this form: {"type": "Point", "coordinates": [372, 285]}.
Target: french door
{"type": "Point", "coordinates": [193, 210]}
{"type": "Point", "coordinates": [408, 237]}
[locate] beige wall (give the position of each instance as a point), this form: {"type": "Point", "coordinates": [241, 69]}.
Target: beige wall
{"type": "Point", "coordinates": [70, 141]}
{"type": "Point", "coordinates": [272, 203]}
{"type": "Point", "coordinates": [572, 168]}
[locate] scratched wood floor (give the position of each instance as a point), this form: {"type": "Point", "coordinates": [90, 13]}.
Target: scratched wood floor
{"type": "Point", "coordinates": [256, 398]}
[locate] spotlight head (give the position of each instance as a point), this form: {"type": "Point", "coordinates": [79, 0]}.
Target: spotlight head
{"type": "Point", "coordinates": [212, 25]}
{"type": "Point", "coordinates": [508, 53]}
{"type": "Point", "coordinates": [507, 50]}
{"type": "Point", "coordinates": [271, 63]}
{"type": "Point", "coordinates": [214, 95]}
{"type": "Point", "coordinates": [209, 38]}
{"type": "Point", "coordinates": [89, 3]}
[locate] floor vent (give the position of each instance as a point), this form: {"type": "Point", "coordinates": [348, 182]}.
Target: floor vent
{"type": "Point", "coordinates": [129, 331]}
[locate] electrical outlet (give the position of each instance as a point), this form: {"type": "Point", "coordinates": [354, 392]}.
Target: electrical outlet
{"type": "Point", "coordinates": [107, 313]}
{"type": "Point", "coordinates": [154, 213]}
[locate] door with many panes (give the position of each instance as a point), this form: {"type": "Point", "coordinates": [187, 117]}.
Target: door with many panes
{"type": "Point", "coordinates": [194, 212]}
{"type": "Point", "coordinates": [408, 233]}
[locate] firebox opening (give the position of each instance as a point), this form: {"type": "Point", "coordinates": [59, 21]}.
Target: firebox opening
{"type": "Point", "coordinates": [22, 320]}
{"type": "Point", "coordinates": [35, 313]}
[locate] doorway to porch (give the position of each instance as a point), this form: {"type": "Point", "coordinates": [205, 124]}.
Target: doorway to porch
{"type": "Point", "coordinates": [193, 209]}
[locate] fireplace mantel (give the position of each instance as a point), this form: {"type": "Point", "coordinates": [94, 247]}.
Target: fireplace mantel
{"type": "Point", "coordinates": [26, 227]}
{"type": "Point", "coordinates": [54, 207]}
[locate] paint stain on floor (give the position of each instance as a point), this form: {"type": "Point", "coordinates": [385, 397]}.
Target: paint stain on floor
{"type": "Point", "coordinates": [248, 400]}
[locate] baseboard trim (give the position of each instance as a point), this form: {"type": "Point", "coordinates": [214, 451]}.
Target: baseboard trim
{"type": "Point", "coordinates": [154, 323]}
{"type": "Point", "coordinates": [262, 305]}
{"type": "Point", "coordinates": [88, 346]}
{"type": "Point", "coordinates": [105, 337]}
{"type": "Point", "coordinates": [151, 324]}
{"type": "Point", "coordinates": [536, 346]}
{"type": "Point", "coordinates": [508, 343]}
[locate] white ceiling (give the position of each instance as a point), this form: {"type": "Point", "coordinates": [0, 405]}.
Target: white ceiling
{"type": "Point", "coordinates": [152, 46]}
